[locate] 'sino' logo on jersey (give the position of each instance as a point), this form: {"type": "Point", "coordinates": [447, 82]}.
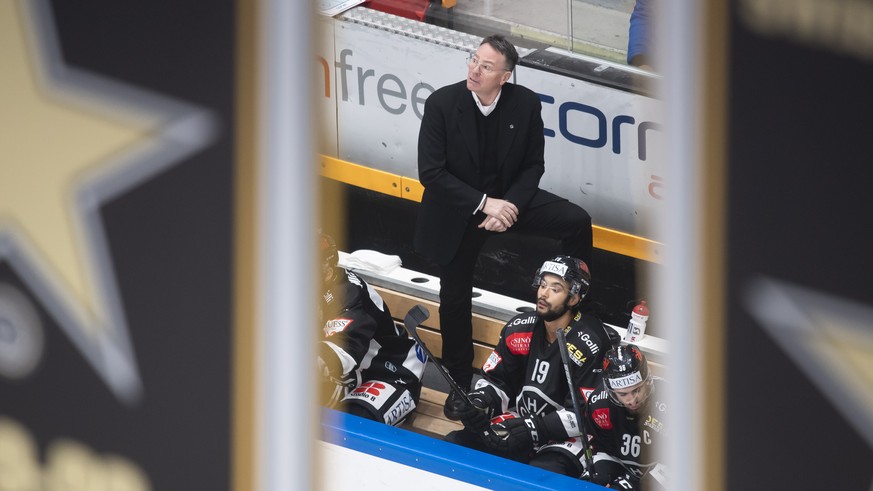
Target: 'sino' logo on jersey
{"type": "Point", "coordinates": [601, 418]}
{"type": "Point", "coordinates": [519, 344]}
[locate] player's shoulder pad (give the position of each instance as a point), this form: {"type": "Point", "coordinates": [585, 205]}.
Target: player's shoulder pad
{"type": "Point", "coordinates": [585, 324]}
{"type": "Point", "coordinates": [587, 320]}
{"type": "Point", "coordinates": [606, 335]}
{"type": "Point", "coordinates": [598, 398]}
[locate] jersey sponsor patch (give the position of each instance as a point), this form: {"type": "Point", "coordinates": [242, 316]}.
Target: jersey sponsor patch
{"type": "Point", "coordinates": [586, 392]}
{"type": "Point", "coordinates": [577, 355]}
{"type": "Point", "coordinates": [519, 343]}
{"type": "Point", "coordinates": [524, 320]}
{"type": "Point", "coordinates": [334, 326]}
{"type": "Point", "coordinates": [653, 423]}
{"type": "Point", "coordinates": [599, 396]}
{"type": "Point", "coordinates": [491, 363]}
{"type": "Point", "coordinates": [376, 393]}
{"type": "Point", "coordinates": [400, 409]}
{"type": "Point", "coordinates": [601, 418]}
{"type": "Point", "coordinates": [592, 346]}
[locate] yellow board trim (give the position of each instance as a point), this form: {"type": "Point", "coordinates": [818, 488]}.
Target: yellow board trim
{"type": "Point", "coordinates": [361, 176]}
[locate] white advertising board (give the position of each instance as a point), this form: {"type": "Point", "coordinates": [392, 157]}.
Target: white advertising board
{"type": "Point", "coordinates": [594, 156]}
{"type": "Point", "coordinates": [602, 149]}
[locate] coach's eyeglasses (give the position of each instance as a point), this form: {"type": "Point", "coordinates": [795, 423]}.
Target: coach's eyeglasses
{"type": "Point", "coordinates": [473, 62]}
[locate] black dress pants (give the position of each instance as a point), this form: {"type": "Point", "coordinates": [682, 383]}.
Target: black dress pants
{"type": "Point", "coordinates": [561, 220]}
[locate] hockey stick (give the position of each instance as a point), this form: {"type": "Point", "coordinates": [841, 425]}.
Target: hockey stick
{"type": "Point", "coordinates": [565, 359]}
{"type": "Point", "coordinates": [413, 319]}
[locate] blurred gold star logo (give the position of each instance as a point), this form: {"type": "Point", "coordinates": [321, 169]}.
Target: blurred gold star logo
{"type": "Point", "coordinates": [69, 141]}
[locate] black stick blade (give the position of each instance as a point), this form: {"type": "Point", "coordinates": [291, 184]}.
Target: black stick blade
{"type": "Point", "coordinates": [415, 317]}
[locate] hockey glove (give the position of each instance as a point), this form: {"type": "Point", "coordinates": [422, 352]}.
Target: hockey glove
{"type": "Point", "coordinates": [333, 385]}
{"type": "Point", "coordinates": [514, 437]}
{"type": "Point", "coordinates": [477, 418]}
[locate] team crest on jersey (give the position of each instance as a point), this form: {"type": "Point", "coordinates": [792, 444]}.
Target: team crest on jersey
{"type": "Point", "coordinates": [493, 360]}
{"type": "Point", "coordinates": [519, 343]}
{"type": "Point", "coordinates": [601, 418]}
{"type": "Point", "coordinates": [334, 326]}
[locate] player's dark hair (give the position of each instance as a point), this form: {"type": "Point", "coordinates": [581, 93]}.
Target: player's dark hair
{"type": "Point", "coordinates": [503, 47]}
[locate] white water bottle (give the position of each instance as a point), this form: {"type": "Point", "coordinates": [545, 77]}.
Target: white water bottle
{"type": "Point", "coordinates": [636, 328]}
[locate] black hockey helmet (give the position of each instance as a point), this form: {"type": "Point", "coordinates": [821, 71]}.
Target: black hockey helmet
{"type": "Point", "coordinates": [624, 367]}
{"type": "Point", "coordinates": [573, 271]}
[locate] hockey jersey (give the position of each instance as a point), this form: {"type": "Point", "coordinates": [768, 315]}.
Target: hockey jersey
{"type": "Point", "coordinates": [361, 340]}
{"type": "Point", "coordinates": [623, 442]}
{"type": "Point", "coordinates": [527, 373]}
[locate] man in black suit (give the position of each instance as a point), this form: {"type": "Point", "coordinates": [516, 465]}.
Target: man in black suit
{"type": "Point", "coordinates": [480, 159]}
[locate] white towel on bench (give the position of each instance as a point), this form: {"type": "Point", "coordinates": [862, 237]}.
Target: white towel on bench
{"type": "Point", "coordinates": [375, 261]}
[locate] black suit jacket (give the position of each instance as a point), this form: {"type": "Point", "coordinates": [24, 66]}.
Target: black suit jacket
{"type": "Point", "coordinates": [449, 167]}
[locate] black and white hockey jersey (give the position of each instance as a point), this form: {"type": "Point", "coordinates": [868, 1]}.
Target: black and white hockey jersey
{"type": "Point", "coordinates": [527, 374]}
{"type": "Point", "coordinates": [361, 337]}
{"type": "Point", "coordinates": [624, 443]}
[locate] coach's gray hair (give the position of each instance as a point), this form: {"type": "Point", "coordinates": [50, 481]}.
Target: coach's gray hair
{"type": "Point", "coordinates": [503, 47]}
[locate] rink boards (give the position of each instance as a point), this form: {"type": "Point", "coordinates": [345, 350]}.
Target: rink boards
{"type": "Point", "coordinates": [365, 455]}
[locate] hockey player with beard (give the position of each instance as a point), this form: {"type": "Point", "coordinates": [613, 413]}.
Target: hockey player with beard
{"type": "Point", "coordinates": [369, 366]}
{"type": "Point", "coordinates": [525, 374]}
{"type": "Point", "coordinates": [627, 423]}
